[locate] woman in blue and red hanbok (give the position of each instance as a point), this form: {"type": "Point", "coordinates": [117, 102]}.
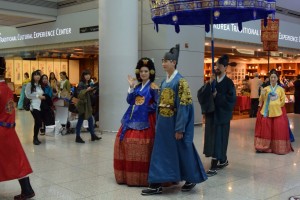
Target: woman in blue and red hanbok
{"type": "Point", "coordinates": [135, 138]}
{"type": "Point", "coordinates": [272, 126]}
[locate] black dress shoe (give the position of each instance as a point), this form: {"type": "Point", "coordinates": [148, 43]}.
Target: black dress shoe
{"type": "Point", "coordinates": [187, 186]}
{"type": "Point", "coordinates": [95, 137]}
{"type": "Point", "coordinates": [152, 191]}
{"type": "Point", "coordinates": [258, 151]}
{"type": "Point", "coordinates": [79, 139]}
{"type": "Point", "coordinates": [36, 142]}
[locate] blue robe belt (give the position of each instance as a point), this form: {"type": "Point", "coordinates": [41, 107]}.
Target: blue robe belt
{"type": "Point", "coordinates": [168, 106]}
{"type": "Point", "coordinates": [7, 125]}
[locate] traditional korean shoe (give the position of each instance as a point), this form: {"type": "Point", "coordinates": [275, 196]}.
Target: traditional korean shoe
{"type": "Point", "coordinates": [187, 186]}
{"type": "Point", "coordinates": [295, 198]}
{"type": "Point", "coordinates": [24, 196]}
{"type": "Point", "coordinates": [213, 168]}
{"type": "Point", "coordinates": [27, 191]}
{"type": "Point", "coordinates": [222, 165]}
{"type": "Point", "coordinates": [79, 140]}
{"type": "Point", "coordinates": [211, 172]}
{"type": "Point", "coordinates": [152, 190]}
{"type": "Point", "coordinates": [95, 137]}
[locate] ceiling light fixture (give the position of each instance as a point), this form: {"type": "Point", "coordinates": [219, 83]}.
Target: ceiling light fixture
{"type": "Point", "coordinates": [245, 51]}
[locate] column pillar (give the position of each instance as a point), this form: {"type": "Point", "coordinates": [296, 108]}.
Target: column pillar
{"type": "Point", "coordinates": [118, 55]}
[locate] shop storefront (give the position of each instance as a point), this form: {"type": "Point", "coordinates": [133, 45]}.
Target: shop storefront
{"type": "Point", "coordinates": [69, 44]}
{"type": "Point", "coordinates": [246, 52]}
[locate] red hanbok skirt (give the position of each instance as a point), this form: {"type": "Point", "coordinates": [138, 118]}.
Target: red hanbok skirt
{"type": "Point", "coordinates": [132, 155]}
{"type": "Point", "coordinates": [13, 161]}
{"type": "Point", "coordinates": [272, 134]}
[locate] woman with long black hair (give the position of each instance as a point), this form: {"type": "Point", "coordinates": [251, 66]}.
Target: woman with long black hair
{"type": "Point", "coordinates": [34, 92]}
{"type": "Point", "coordinates": [53, 82]}
{"type": "Point", "coordinates": [46, 105]}
{"type": "Point", "coordinates": [84, 106]}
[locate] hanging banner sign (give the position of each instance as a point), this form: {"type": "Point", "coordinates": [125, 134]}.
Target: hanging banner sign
{"type": "Point", "coordinates": [270, 34]}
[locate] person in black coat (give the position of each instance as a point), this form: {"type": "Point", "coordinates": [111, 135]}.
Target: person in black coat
{"type": "Point", "coordinates": [224, 100]}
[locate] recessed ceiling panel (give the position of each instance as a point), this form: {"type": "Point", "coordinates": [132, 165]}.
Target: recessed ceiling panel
{"type": "Point", "coordinates": [10, 20]}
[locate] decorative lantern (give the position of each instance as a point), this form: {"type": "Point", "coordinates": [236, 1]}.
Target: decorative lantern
{"type": "Point", "coordinates": [269, 34]}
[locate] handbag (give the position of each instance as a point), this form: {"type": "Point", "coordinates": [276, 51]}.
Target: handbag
{"type": "Point", "coordinates": [26, 103]}
{"type": "Point", "coordinates": [65, 94]}
{"type": "Point", "coordinates": [72, 105]}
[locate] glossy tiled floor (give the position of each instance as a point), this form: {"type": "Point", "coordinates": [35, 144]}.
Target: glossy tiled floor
{"type": "Point", "coordinates": [66, 170]}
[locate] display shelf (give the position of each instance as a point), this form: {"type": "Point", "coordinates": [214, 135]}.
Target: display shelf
{"type": "Point", "coordinates": [287, 69]}
{"type": "Point", "coordinates": [207, 71]}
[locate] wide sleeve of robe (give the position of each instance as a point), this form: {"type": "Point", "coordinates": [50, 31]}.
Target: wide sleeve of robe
{"type": "Point", "coordinates": [185, 111]}
{"type": "Point", "coordinates": [206, 99]}
{"type": "Point", "coordinates": [226, 101]}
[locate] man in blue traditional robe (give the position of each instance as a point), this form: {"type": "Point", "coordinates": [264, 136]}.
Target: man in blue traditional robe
{"type": "Point", "coordinates": [174, 156]}
{"type": "Point", "coordinates": [224, 100]}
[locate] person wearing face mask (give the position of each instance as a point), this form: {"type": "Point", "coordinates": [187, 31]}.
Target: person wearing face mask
{"type": "Point", "coordinates": [13, 160]}
{"type": "Point", "coordinates": [224, 100]}
{"type": "Point", "coordinates": [272, 126]}
{"type": "Point", "coordinates": [135, 138]}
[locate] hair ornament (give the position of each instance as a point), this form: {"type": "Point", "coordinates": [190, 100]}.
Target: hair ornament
{"type": "Point", "coordinates": [152, 71]}
{"type": "Point", "coordinates": [145, 61]}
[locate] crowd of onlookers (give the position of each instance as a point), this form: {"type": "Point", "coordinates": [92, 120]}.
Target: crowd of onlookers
{"type": "Point", "coordinates": [39, 93]}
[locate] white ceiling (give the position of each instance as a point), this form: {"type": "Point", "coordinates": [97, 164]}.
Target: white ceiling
{"type": "Point", "coordinates": [289, 4]}
{"type": "Point", "coordinates": [18, 13]}
{"type": "Point", "coordinates": [13, 10]}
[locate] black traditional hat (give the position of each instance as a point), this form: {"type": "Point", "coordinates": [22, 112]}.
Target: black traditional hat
{"type": "Point", "coordinates": [173, 54]}
{"type": "Point", "coordinates": [145, 62]}
{"type": "Point", "coordinates": [224, 60]}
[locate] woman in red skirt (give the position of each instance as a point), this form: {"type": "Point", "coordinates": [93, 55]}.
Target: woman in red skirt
{"type": "Point", "coordinates": [135, 138]}
{"type": "Point", "coordinates": [271, 130]}
{"type": "Point", "coordinates": [13, 161]}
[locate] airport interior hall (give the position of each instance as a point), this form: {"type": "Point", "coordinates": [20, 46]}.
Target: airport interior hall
{"type": "Point", "coordinates": [144, 99]}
